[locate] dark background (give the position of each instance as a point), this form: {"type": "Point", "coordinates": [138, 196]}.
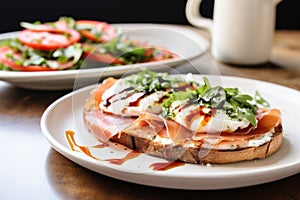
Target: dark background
{"type": "Point", "coordinates": [122, 11]}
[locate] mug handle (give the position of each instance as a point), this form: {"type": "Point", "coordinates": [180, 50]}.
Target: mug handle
{"type": "Point", "coordinates": [194, 17]}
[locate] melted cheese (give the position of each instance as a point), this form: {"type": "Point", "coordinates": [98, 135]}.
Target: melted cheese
{"type": "Point", "coordinates": [201, 119]}
{"type": "Point", "coordinates": [120, 99]}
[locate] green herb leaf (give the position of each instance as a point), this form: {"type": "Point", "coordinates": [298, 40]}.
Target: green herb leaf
{"type": "Point", "coordinates": [73, 52]}
{"type": "Point", "coordinates": [35, 60]}
{"type": "Point", "coordinates": [231, 92]}
{"type": "Point", "coordinates": [236, 105]}
{"type": "Point", "coordinates": [69, 21]}
{"type": "Point", "coordinates": [129, 51]}
{"type": "Point", "coordinates": [202, 89]}
{"type": "Point", "coordinates": [150, 81]}
{"type": "Point", "coordinates": [250, 116]}
{"type": "Point", "coordinates": [30, 26]}
{"type": "Point", "coordinates": [260, 100]}
{"type": "Point", "coordinates": [177, 96]}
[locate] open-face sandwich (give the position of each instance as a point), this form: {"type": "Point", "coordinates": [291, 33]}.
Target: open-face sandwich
{"type": "Point", "coordinates": [190, 121]}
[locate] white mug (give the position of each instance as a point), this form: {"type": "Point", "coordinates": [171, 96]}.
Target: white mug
{"type": "Point", "coordinates": [242, 30]}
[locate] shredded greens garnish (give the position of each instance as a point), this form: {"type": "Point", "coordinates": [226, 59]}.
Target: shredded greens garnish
{"type": "Point", "coordinates": [29, 56]}
{"type": "Point", "coordinates": [13, 43]}
{"type": "Point", "coordinates": [260, 100]}
{"type": "Point", "coordinates": [69, 21]}
{"type": "Point", "coordinates": [4, 67]}
{"type": "Point", "coordinates": [236, 105]}
{"type": "Point", "coordinates": [149, 81]}
{"type": "Point", "coordinates": [128, 51]}
{"type": "Point", "coordinates": [121, 48]}
{"type": "Point", "coordinates": [72, 52]}
{"type": "Point", "coordinates": [31, 26]}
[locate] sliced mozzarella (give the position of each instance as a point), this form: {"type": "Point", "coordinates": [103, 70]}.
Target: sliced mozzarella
{"type": "Point", "coordinates": [120, 99]}
{"type": "Point", "coordinates": [221, 122]}
{"type": "Point", "coordinates": [201, 119]}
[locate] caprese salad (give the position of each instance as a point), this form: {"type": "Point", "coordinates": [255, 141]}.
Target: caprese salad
{"type": "Point", "coordinates": [66, 43]}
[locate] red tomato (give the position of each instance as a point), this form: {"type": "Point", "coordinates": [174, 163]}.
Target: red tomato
{"type": "Point", "coordinates": [48, 39]}
{"type": "Point", "coordinates": [103, 58]}
{"type": "Point", "coordinates": [5, 50]}
{"type": "Point", "coordinates": [159, 54]}
{"type": "Point", "coordinates": [106, 31]}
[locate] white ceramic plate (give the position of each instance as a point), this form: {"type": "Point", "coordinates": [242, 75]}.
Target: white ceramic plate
{"type": "Point", "coordinates": [66, 114]}
{"type": "Point", "coordinates": [180, 40]}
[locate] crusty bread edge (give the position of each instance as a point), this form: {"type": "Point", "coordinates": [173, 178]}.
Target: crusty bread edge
{"type": "Point", "coordinates": [200, 155]}
{"type": "Point", "coordinates": [190, 154]}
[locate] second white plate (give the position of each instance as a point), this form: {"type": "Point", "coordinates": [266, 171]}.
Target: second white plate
{"type": "Point", "coordinates": [66, 114]}
{"type": "Point", "coordinates": [180, 40]}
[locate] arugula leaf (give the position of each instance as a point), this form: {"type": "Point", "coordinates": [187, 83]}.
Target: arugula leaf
{"type": "Point", "coordinates": [4, 42]}
{"type": "Point", "coordinates": [4, 67]}
{"type": "Point", "coordinates": [35, 60]}
{"type": "Point", "coordinates": [13, 43]}
{"type": "Point", "coordinates": [129, 51]}
{"type": "Point", "coordinates": [242, 107]}
{"type": "Point", "coordinates": [71, 22]}
{"type": "Point", "coordinates": [72, 52]}
{"type": "Point", "coordinates": [260, 100]}
{"type": "Point", "coordinates": [236, 105]}
{"type": "Point", "coordinates": [30, 26]}
{"type": "Point", "coordinates": [110, 47]}
{"type": "Point", "coordinates": [250, 116]}
{"type": "Point", "coordinates": [232, 91]}
{"type": "Point", "coordinates": [177, 96]}
{"type": "Point", "coordinates": [202, 89]}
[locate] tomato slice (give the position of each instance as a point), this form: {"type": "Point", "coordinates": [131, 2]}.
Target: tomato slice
{"type": "Point", "coordinates": [159, 54]}
{"type": "Point", "coordinates": [48, 39]}
{"type": "Point", "coordinates": [103, 58]}
{"type": "Point", "coordinates": [96, 31]}
{"type": "Point", "coordinates": [107, 58]}
{"type": "Point", "coordinates": [5, 50]}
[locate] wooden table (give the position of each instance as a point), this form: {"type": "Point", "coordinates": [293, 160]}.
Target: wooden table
{"type": "Point", "coordinates": [31, 169]}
